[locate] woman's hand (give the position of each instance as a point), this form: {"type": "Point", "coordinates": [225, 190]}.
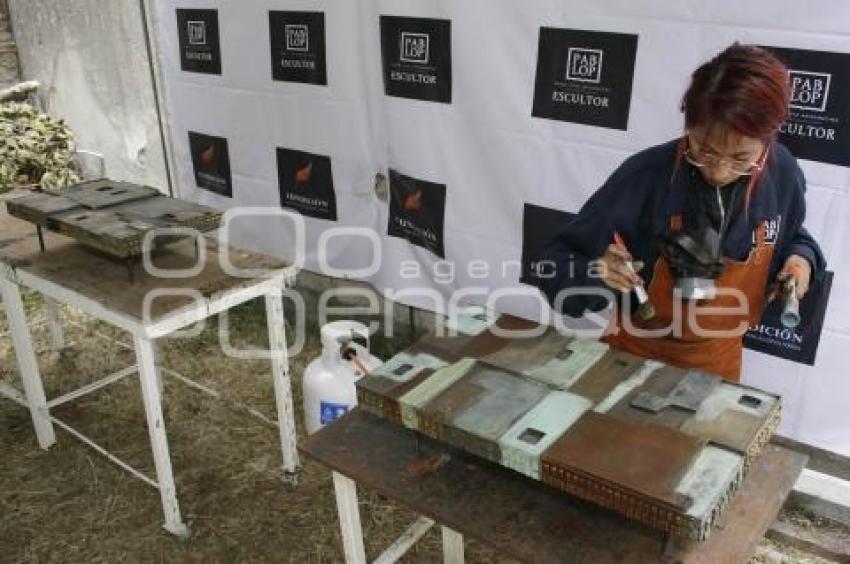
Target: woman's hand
{"type": "Point", "coordinates": [615, 271]}
{"type": "Point", "coordinates": [799, 268]}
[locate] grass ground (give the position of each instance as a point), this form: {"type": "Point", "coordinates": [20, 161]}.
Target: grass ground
{"type": "Point", "coordinates": [69, 504]}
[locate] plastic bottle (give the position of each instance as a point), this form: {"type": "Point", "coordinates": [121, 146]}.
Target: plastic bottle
{"type": "Point", "coordinates": [329, 390]}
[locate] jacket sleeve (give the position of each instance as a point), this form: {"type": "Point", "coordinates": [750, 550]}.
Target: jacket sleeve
{"type": "Point", "coordinates": [798, 241]}
{"type": "Point", "coordinates": [570, 256]}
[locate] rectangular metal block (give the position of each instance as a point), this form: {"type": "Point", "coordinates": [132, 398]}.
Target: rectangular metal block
{"type": "Point", "coordinates": [380, 390]}
{"type": "Point", "coordinates": [104, 193]}
{"type": "Point", "coordinates": [503, 333]}
{"type": "Point", "coordinates": [37, 207]}
{"type": "Point", "coordinates": [738, 418]}
{"type": "Point", "coordinates": [687, 394]}
{"type": "Point", "coordinates": [710, 484]}
{"type": "Point", "coordinates": [660, 383]}
{"type": "Point", "coordinates": [447, 348]}
{"type": "Point", "coordinates": [640, 460]}
{"type": "Point", "coordinates": [637, 379]}
{"type": "Point", "coordinates": [528, 353]}
{"type": "Point", "coordinates": [416, 399]}
{"type": "Point", "coordinates": [487, 401]}
{"type": "Point", "coordinates": [524, 443]}
{"type": "Point", "coordinates": [405, 366]}
{"type": "Point", "coordinates": [614, 368]}
{"type": "Point", "coordinates": [575, 358]}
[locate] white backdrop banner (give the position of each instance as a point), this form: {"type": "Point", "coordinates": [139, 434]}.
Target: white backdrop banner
{"type": "Point", "coordinates": [478, 113]}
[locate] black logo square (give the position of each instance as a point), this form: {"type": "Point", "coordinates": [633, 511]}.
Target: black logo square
{"type": "Point", "coordinates": [818, 128]}
{"type": "Point", "coordinates": [414, 48]}
{"type": "Point", "coordinates": [539, 227]}
{"type": "Point", "coordinates": [417, 211]}
{"type": "Point", "coordinates": [584, 65]}
{"type": "Point", "coordinates": [211, 163]}
{"type": "Point", "coordinates": [298, 47]}
{"type": "Point", "coordinates": [297, 38]}
{"type": "Point", "coordinates": [197, 32]}
{"type": "Point", "coordinates": [306, 183]}
{"type": "Point", "coordinates": [417, 58]}
{"type": "Point", "coordinates": [584, 77]}
{"type": "Point", "coordinates": [809, 90]}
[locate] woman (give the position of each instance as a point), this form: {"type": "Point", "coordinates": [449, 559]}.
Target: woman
{"type": "Point", "coordinates": [718, 214]}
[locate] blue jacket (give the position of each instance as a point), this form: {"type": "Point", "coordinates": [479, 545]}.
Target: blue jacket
{"type": "Point", "coordinates": [638, 200]}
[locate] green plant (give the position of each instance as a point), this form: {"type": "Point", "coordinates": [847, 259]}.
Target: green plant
{"type": "Point", "coordinates": [35, 149]}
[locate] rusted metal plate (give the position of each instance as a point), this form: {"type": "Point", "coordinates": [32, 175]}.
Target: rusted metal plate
{"type": "Point", "coordinates": [631, 460]}
{"type": "Point", "coordinates": [522, 518]}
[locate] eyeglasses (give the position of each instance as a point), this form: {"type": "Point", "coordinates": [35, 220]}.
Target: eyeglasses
{"type": "Point", "coordinates": [741, 167]}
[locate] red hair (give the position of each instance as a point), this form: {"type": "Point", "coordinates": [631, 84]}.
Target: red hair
{"type": "Point", "coordinates": [745, 89]}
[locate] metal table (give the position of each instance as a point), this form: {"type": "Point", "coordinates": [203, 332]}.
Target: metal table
{"type": "Point", "coordinates": [150, 308]}
{"type": "Point", "coordinates": [518, 516]}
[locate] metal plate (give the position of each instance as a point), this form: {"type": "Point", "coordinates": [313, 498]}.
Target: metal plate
{"type": "Point", "coordinates": [479, 408]}
{"type": "Point", "coordinates": [640, 460]}
{"type": "Point", "coordinates": [105, 193]}
{"type": "Point", "coordinates": [611, 370]}
{"type": "Point", "coordinates": [689, 393]}
{"type": "Point", "coordinates": [36, 208]}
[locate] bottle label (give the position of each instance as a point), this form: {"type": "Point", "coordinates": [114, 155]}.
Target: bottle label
{"type": "Point", "coordinates": [330, 412]}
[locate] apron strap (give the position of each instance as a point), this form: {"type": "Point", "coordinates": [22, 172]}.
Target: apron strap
{"type": "Point", "coordinates": [761, 234]}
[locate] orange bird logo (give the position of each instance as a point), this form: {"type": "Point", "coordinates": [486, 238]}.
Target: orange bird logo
{"type": "Point", "coordinates": [414, 201]}
{"type": "Point", "coordinates": [208, 155]}
{"type": "Point", "coordinates": [303, 174]}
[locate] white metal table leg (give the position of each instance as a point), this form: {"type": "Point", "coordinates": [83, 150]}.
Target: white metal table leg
{"type": "Point", "coordinates": [27, 363]}
{"type": "Point", "coordinates": [54, 324]}
{"type": "Point", "coordinates": [349, 519]}
{"type": "Point", "coordinates": [282, 382]}
{"type": "Point", "coordinates": [157, 358]}
{"type": "Point", "coordinates": [145, 358]}
{"type": "Point", "coordinates": [405, 542]}
{"type": "Point", "coordinates": [452, 546]}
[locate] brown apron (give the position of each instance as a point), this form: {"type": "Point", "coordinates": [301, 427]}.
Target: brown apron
{"type": "Point", "coordinates": [679, 344]}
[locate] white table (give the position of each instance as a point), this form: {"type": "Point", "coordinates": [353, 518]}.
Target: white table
{"type": "Point", "coordinates": [148, 309]}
